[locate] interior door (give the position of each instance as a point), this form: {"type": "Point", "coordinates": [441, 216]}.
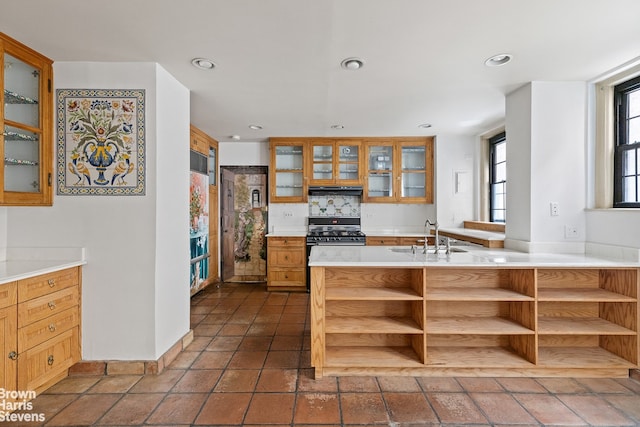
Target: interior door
{"type": "Point", "coordinates": [227, 224]}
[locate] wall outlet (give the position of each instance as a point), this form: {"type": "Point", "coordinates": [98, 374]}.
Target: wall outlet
{"type": "Point", "coordinates": [287, 214]}
{"type": "Point", "coordinates": [554, 209]}
{"type": "Point", "coordinates": [570, 232]}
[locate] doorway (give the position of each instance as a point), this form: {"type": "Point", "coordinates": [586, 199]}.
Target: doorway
{"type": "Point", "coordinates": [243, 220]}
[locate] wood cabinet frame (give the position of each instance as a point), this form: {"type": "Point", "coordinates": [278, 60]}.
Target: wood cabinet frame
{"type": "Point", "coordinates": [44, 197]}
{"type": "Point", "coordinates": [475, 321]}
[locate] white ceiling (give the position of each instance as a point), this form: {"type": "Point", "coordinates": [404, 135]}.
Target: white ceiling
{"type": "Point", "coordinates": [278, 61]}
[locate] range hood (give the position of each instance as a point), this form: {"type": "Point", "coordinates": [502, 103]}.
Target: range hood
{"type": "Point", "coordinates": [335, 190]}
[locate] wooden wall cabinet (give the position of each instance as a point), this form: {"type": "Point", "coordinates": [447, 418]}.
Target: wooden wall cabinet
{"type": "Point", "coordinates": [335, 161]}
{"type": "Point", "coordinates": [41, 329]}
{"type": "Point", "coordinates": [484, 321]}
{"type": "Point", "coordinates": [26, 120]}
{"type": "Point", "coordinates": [399, 170]}
{"type": "Point", "coordinates": [286, 263]}
{"type": "Point", "coordinates": [288, 174]}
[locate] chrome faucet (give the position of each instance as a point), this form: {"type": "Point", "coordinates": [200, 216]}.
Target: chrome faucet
{"type": "Point", "coordinates": [428, 224]}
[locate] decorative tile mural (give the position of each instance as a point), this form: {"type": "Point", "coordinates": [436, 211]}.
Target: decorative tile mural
{"type": "Point", "coordinates": [101, 142]}
{"type": "Point", "coordinates": [334, 205]}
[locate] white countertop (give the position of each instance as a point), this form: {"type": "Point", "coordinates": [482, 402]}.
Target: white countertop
{"type": "Point", "coordinates": [22, 263]}
{"type": "Point", "coordinates": [354, 256]}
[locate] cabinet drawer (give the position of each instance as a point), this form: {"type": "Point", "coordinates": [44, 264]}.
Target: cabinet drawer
{"type": "Point", "coordinates": [47, 283]}
{"type": "Point", "coordinates": [46, 361]}
{"type": "Point", "coordinates": [8, 294]}
{"type": "Point", "coordinates": [47, 305]}
{"type": "Point", "coordinates": [42, 330]}
{"type": "Point", "coordinates": [289, 242]}
{"type": "Point", "coordinates": [286, 276]}
{"type": "Point", "coordinates": [383, 241]}
{"type": "Point", "coordinates": [286, 258]}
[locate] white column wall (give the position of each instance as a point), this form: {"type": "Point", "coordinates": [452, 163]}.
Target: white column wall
{"type": "Point", "coordinates": [518, 131]}
{"type": "Point", "coordinates": [123, 235]}
{"type": "Point", "coordinates": [546, 134]}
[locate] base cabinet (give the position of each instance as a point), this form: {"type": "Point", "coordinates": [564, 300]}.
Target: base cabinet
{"type": "Point", "coordinates": [41, 329]}
{"type": "Point", "coordinates": [474, 321]}
{"type": "Point", "coordinates": [286, 263]}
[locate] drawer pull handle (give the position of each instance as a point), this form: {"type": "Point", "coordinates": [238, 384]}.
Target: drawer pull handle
{"type": "Point", "coordinates": [50, 360]}
{"type": "Point", "coordinates": [52, 305]}
{"type": "Point", "coordinates": [52, 327]}
{"type": "Point", "coordinates": [286, 277]}
{"type": "Point", "coordinates": [286, 257]}
{"type": "Point", "coordinates": [13, 355]}
{"type": "Point", "coordinates": [51, 282]}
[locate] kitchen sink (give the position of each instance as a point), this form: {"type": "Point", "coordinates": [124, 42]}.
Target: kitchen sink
{"type": "Point", "coordinates": [418, 250]}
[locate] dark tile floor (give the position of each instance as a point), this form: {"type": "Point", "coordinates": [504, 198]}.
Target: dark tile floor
{"type": "Point", "coordinates": [249, 365]}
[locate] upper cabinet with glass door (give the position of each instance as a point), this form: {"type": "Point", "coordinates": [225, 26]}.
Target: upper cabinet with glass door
{"type": "Point", "coordinates": [287, 172]}
{"type": "Point", "coordinates": [26, 142]}
{"type": "Point", "coordinates": [335, 162]}
{"type": "Point", "coordinates": [399, 170]}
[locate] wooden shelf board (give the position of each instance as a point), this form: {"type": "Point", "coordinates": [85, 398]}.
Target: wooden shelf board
{"type": "Point", "coordinates": [580, 357]}
{"type": "Point", "coordinates": [475, 326]}
{"type": "Point", "coordinates": [370, 293]}
{"type": "Point", "coordinates": [372, 357]}
{"type": "Point", "coordinates": [478, 357]}
{"type": "Point", "coordinates": [581, 295]}
{"type": "Point", "coordinates": [580, 326]}
{"type": "Point", "coordinates": [475, 294]}
{"type": "Point", "coordinates": [371, 325]}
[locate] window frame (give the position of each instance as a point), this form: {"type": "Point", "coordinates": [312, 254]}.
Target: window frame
{"type": "Point", "coordinates": [493, 143]}
{"type": "Point", "coordinates": [621, 92]}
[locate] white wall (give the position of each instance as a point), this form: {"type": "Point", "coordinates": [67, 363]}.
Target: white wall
{"type": "Point", "coordinates": [518, 131]}
{"type": "Point", "coordinates": [173, 305]}
{"type": "Point", "coordinates": [455, 189]}
{"type": "Point", "coordinates": [546, 134]}
{"type": "Point", "coordinates": [244, 153]}
{"type": "Point", "coordinates": [3, 234]}
{"type": "Point", "coordinates": [123, 283]}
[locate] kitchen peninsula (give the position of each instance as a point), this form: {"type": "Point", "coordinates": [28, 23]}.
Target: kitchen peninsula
{"type": "Point", "coordinates": [380, 310]}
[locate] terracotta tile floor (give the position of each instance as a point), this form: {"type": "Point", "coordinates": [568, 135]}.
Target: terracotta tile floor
{"type": "Point", "coordinates": [249, 365]}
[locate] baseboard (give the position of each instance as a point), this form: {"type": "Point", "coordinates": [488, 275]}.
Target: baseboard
{"type": "Point", "coordinates": [132, 367]}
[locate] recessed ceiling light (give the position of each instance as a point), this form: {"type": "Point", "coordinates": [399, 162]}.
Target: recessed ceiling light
{"type": "Point", "coordinates": [425, 125]}
{"type": "Point", "coordinates": [497, 60]}
{"type": "Point", "coordinates": [203, 63]}
{"type": "Point", "coordinates": [337, 127]}
{"type": "Point", "coordinates": [255, 127]}
{"type": "Point", "coordinates": [352, 64]}
{"type": "Point", "coordinates": [235, 137]}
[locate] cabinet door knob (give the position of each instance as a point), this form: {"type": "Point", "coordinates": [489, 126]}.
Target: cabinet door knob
{"type": "Point", "coordinates": [52, 327]}
{"type": "Point", "coordinates": [51, 282]}
{"type": "Point", "coordinates": [50, 360]}
{"type": "Point", "coordinates": [286, 257]}
{"type": "Point", "coordinates": [13, 355]}
{"type": "Point", "coordinates": [52, 305]}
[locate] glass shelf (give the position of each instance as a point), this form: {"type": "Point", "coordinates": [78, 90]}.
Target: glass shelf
{"type": "Point", "coordinates": [14, 98]}
{"type": "Point", "coordinates": [16, 136]}
{"type": "Point", "coordinates": [17, 162]}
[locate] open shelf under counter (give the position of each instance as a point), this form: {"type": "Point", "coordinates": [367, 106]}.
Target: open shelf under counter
{"type": "Point", "coordinates": [581, 295]}
{"type": "Point", "coordinates": [477, 357]}
{"type": "Point", "coordinates": [475, 294]}
{"type": "Point", "coordinates": [580, 326]}
{"type": "Point", "coordinates": [371, 293]}
{"type": "Point", "coordinates": [475, 325]}
{"type": "Point", "coordinates": [372, 356]}
{"type": "Point", "coordinates": [371, 325]}
{"type": "Point", "coordinates": [580, 357]}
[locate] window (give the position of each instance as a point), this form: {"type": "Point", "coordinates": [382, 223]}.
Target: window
{"type": "Point", "coordinates": [498, 178]}
{"type": "Point", "coordinates": [626, 189]}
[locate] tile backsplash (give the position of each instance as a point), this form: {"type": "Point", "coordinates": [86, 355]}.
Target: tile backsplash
{"type": "Point", "coordinates": [334, 205]}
